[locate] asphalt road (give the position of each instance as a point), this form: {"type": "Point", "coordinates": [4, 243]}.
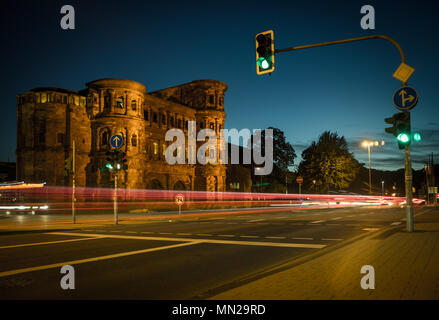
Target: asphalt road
{"type": "Point", "coordinates": [192, 257]}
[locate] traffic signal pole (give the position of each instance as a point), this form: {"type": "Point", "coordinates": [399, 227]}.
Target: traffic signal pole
{"type": "Point", "coordinates": [73, 182]}
{"type": "Point", "coordinates": [115, 199]}
{"type": "Point", "coordinates": [408, 190]}
{"type": "Point", "coordinates": [408, 167]}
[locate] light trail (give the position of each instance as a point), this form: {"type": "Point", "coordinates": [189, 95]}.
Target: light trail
{"type": "Point", "coordinates": [51, 199]}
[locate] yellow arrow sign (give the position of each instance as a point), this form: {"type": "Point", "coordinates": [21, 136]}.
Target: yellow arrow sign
{"type": "Point", "coordinates": [116, 139]}
{"type": "Point", "coordinates": [410, 98]}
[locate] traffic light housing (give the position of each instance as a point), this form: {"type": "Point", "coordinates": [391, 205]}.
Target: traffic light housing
{"type": "Point", "coordinates": [400, 128]}
{"type": "Point", "coordinates": [265, 52]}
{"type": "Point", "coordinates": [116, 160]}
{"type": "Point", "coordinates": [404, 136]}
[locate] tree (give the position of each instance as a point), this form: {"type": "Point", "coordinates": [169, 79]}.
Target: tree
{"type": "Point", "coordinates": [328, 162]}
{"type": "Point", "coordinates": [283, 159]}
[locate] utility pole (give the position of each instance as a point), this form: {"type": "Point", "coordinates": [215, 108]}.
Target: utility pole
{"type": "Point", "coordinates": [408, 190]}
{"type": "Point", "coordinates": [73, 182]}
{"type": "Point", "coordinates": [115, 198]}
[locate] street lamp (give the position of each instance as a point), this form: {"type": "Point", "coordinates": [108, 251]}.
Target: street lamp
{"type": "Point", "coordinates": [368, 144]}
{"type": "Point", "coordinates": [260, 186]}
{"type": "Point", "coordinates": [382, 188]}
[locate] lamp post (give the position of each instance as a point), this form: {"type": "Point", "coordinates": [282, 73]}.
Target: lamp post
{"type": "Point", "coordinates": [382, 188]}
{"type": "Point", "coordinates": [260, 186]}
{"type": "Point", "coordinates": [370, 144]}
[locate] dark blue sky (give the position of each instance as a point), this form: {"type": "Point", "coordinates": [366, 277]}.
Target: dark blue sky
{"type": "Point", "coordinates": [344, 88]}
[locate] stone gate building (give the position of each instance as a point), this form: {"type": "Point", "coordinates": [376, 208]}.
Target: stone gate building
{"type": "Point", "coordinates": [50, 119]}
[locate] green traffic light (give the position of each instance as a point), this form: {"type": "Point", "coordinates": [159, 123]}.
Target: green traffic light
{"type": "Point", "coordinates": [263, 63]}
{"type": "Point", "coordinates": [109, 166]}
{"type": "Point", "coordinates": [417, 136]}
{"type": "Point", "coordinates": [403, 137]}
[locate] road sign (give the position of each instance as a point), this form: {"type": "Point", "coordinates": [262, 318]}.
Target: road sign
{"type": "Point", "coordinates": [116, 141]}
{"type": "Point", "coordinates": [403, 72]}
{"type": "Point", "coordinates": [299, 180]}
{"type": "Point", "coordinates": [405, 98]}
{"type": "Point", "coordinates": [179, 199]}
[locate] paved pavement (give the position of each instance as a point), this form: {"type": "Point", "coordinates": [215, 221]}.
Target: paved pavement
{"type": "Point", "coordinates": [186, 257]}
{"type": "Point", "coordinates": [406, 266]}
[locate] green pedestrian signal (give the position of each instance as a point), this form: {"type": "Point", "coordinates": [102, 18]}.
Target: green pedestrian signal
{"type": "Point", "coordinates": [416, 136]}
{"type": "Point", "coordinates": [265, 52]}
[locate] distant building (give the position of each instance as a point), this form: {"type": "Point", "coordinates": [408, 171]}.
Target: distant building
{"type": "Point", "coordinates": [50, 119]}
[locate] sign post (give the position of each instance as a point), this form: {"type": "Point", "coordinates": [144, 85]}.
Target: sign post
{"type": "Point", "coordinates": [73, 183]}
{"type": "Point", "coordinates": [299, 180]}
{"type": "Point", "coordinates": [116, 141]}
{"type": "Point", "coordinates": [179, 200]}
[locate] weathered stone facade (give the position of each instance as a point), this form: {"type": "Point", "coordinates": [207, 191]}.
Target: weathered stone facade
{"type": "Point", "coordinates": [50, 119]}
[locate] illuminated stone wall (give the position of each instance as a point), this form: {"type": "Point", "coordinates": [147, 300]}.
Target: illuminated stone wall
{"type": "Point", "coordinates": [50, 119]}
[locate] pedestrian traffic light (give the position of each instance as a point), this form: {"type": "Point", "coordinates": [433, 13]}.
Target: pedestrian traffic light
{"type": "Point", "coordinates": [416, 136]}
{"type": "Point", "coordinates": [265, 52]}
{"type": "Point", "coordinates": [110, 160]}
{"type": "Point", "coordinates": [68, 164]}
{"type": "Point", "coordinates": [124, 160]}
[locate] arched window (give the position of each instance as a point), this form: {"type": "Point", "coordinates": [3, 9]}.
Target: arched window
{"type": "Point", "coordinates": [119, 102]}
{"type": "Point", "coordinates": [107, 102]}
{"type": "Point", "coordinates": [134, 105]}
{"type": "Point", "coordinates": [146, 115]}
{"type": "Point", "coordinates": [134, 140]}
{"type": "Point", "coordinates": [104, 138]}
{"type": "Point", "coordinates": [163, 119]}
{"type": "Point", "coordinates": [60, 138]}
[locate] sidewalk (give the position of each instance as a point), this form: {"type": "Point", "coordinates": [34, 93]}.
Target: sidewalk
{"type": "Point", "coordinates": [406, 267]}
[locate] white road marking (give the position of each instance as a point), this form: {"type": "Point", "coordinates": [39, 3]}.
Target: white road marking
{"type": "Point", "coordinates": [249, 236]}
{"type": "Point", "coordinates": [273, 237]}
{"type": "Point", "coordinates": [338, 218]}
{"type": "Point", "coordinates": [147, 232]}
{"type": "Point", "coordinates": [237, 242]}
{"type": "Point", "coordinates": [303, 238]}
{"type": "Point", "coordinates": [396, 223]}
{"type": "Point", "coordinates": [48, 242]}
{"type": "Point", "coordinates": [111, 256]}
{"type": "Point", "coordinates": [371, 229]}
{"type": "Point", "coordinates": [318, 221]}
{"type": "Point", "coordinates": [203, 234]}
{"type": "Point", "coordinates": [130, 231]}
{"type": "Point", "coordinates": [165, 233]}
{"type": "Point", "coordinates": [256, 220]}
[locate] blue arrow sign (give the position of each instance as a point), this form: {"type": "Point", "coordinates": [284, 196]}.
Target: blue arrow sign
{"type": "Point", "coordinates": [405, 98]}
{"type": "Point", "coordinates": [116, 141]}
